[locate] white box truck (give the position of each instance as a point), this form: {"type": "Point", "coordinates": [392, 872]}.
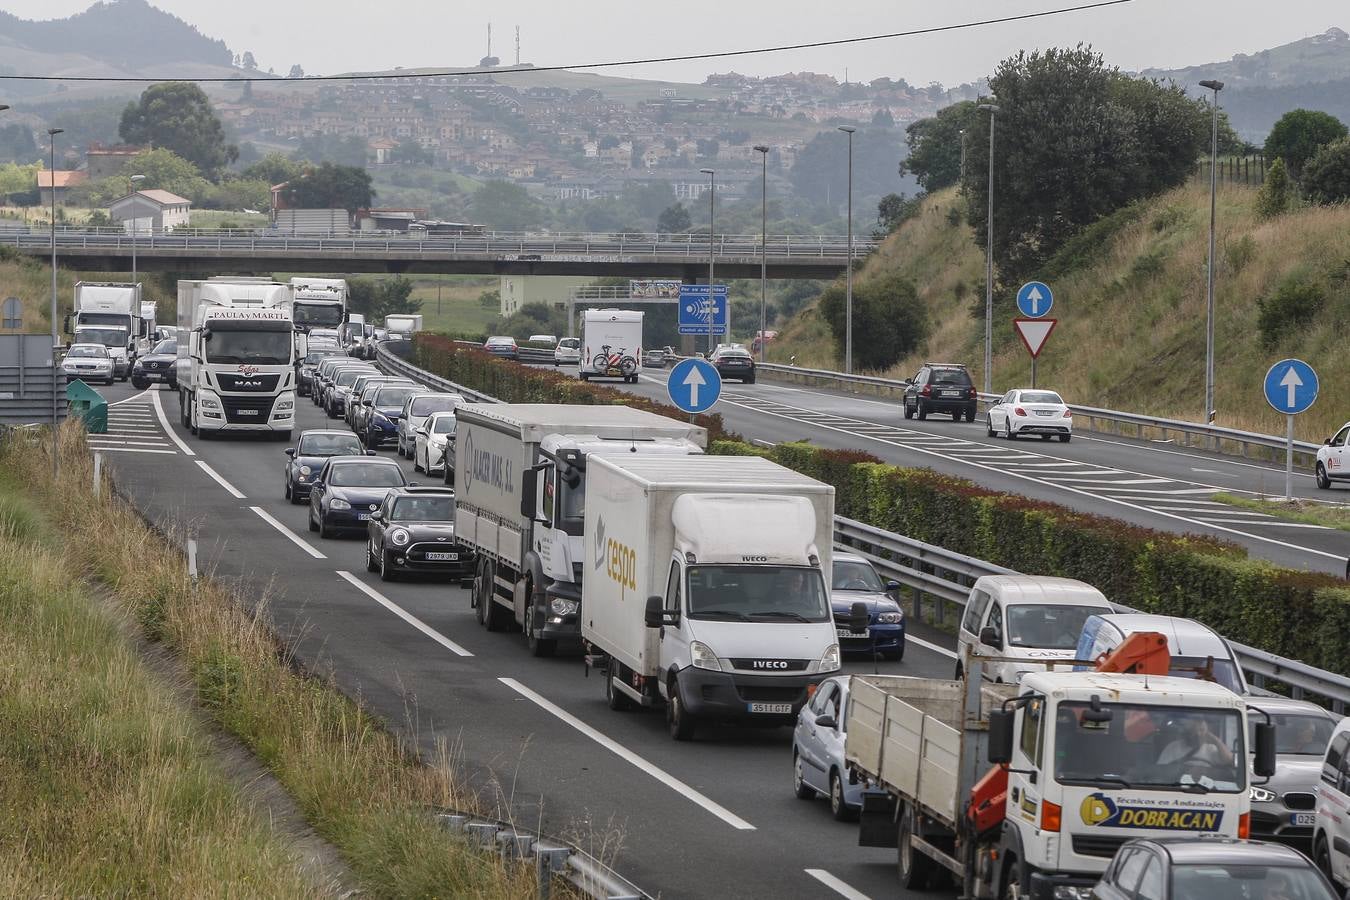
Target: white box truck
{"type": "Point", "coordinates": [319, 302]}
{"type": "Point", "coordinates": [236, 357]}
{"type": "Point", "coordinates": [611, 344]}
{"type": "Point", "coordinates": [109, 313]}
{"type": "Point", "coordinates": [520, 473]}
{"type": "Point", "coordinates": [707, 587]}
{"type": "Point", "coordinates": [402, 327]}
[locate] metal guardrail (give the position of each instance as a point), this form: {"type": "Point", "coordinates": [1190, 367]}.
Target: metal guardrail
{"type": "Point", "coordinates": [1213, 437]}
{"type": "Point", "coordinates": [391, 363]}
{"type": "Point", "coordinates": [946, 576]}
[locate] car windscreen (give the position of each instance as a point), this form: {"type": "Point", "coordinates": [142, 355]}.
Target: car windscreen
{"type": "Point", "coordinates": [314, 357]}
{"type": "Point", "coordinates": [757, 594]}
{"type": "Point", "coordinates": [348, 376]}
{"type": "Point", "coordinates": [329, 445]}
{"type": "Point", "coordinates": [425, 406]}
{"type": "Point", "coordinates": [1047, 626]}
{"type": "Point", "coordinates": [1039, 397]}
{"type": "Point", "coordinates": [1297, 733]}
{"type": "Point", "coordinates": [1240, 881]}
{"type": "Point", "coordinates": [438, 508]}
{"type": "Point", "coordinates": [1220, 670]}
{"type": "Point", "coordinates": [392, 398]}
{"type": "Point", "coordinates": [169, 348]}
{"type": "Point", "coordinates": [366, 475]}
{"type": "Point", "coordinates": [849, 575]}
{"type": "Point", "coordinates": [255, 346]}
{"type": "Point", "coordinates": [951, 376]}
{"type": "Point", "coordinates": [443, 425]}
{"type": "Point", "coordinates": [97, 352]}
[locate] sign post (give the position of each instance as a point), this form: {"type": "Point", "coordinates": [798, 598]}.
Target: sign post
{"type": "Point", "coordinates": [1291, 387]}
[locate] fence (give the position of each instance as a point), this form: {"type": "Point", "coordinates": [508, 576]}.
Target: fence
{"type": "Point", "coordinates": [1248, 170]}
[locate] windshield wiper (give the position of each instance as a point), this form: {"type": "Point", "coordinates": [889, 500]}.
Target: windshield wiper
{"type": "Point", "coordinates": [780, 614]}
{"type": "Point", "coordinates": [1094, 781]}
{"type": "Point", "coordinates": [721, 614]}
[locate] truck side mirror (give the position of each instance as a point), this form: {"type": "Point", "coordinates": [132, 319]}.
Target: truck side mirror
{"type": "Point", "coordinates": [1000, 736]}
{"type": "Point", "coordinates": [655, 615]}
{"type": "Point", "coordinates": [1264, 764]}
{"type": "Point", "coordinates": [529, 492]}
{"type": "Point", "coordinates": [990, 637]}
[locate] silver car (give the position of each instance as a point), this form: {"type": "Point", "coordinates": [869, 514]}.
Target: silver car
{"type": "Point", "coordinates": [818, 750]}
{"type": "Point", "coordinates": [1283, 808]}
{"type": "Point", "coordinates": [88, 362]}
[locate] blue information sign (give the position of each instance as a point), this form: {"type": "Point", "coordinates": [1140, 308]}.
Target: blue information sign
{"type": "Point", "coordinates": [697, 315]}
{"type": "Point", "coordinates": [1291, 386]}
{"type": "Point", "coordinates": [694, 385]}
{"type": "Point", "coordinates": [1034, 299]}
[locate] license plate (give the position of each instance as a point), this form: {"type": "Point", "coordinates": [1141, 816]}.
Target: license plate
{"type": "Point", "coordinates": [853, 635]}
{"type": "Point", "coordinates": [1304, 818]}
{"type": "Point", "coordinates": [442, 557]}
{"type": "Point", "coordinates": [1041, 412]}
{"type": "Point", "coordinates": [248, 412]}
{"type": "Point", "coordinates": [951, 393]}
{"type": "Point", "coordinates": [363, 516]}
{"type": "Point", "coordinates": [775, 709]}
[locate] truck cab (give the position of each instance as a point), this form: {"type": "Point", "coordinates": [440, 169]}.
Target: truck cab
{"type": "Point", "coordinates": [319, 302]}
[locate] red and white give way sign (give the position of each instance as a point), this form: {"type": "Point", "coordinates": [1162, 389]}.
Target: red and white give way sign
{"type": "Point", "coordinates": [1034, 333]}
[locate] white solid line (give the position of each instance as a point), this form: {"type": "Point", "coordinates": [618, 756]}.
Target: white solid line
{"type": "Point", "coordinates": [836, 885]}
{"type": "Point", "coordinates": [135, 450]}
{"type": "Point", "coordinates": [163, 420]}
{"type": "Point", "coordinates": [929, 646]}
{"type": "Point", "coordinates": [629, 756]}
{"type": "Point", "coordinates": [132, 398]}
{"type": "Point", "coordinates": [1280, 523]}
{"type": "Point", "coordinates": [215, 476]}
{"type": "Point", "coordinates": [103, 442]}
{"type": "Point", "coordinates": [291, 535]}
{"type": "Point", "coordinates": [405, 616]}
{"type": "Point", "coordinates": [769, 444]}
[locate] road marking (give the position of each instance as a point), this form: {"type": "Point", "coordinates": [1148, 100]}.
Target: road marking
{"type": "Point", "coordinates": [769, 444]}
{"type": "Point", "coordinates": [132, 398]}
{"type": "Point", "coordinates": [107, 442]}
{"type": "Point", "coordinates": [135, 450]}
{"type": "Point", "coordinates": [834, 884]}
{"type": "Point", "coordinates": [630, 757]}
{"type": "Point", "coordinates": [402, 614]}
{"type": "Point", "coordinates": [215, 476]}
{"type": "Point", "coordinates": [294, 538]}
{"type": "Point", "coordinates": [934, 647]}
{"type": "Point", "coordinates": [163, 420]}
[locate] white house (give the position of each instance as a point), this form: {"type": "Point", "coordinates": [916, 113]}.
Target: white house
{"type": "Point", "coordinates": [152, 210]}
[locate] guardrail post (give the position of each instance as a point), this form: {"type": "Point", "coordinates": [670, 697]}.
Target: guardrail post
{"type": "Point", "coordinates": [548, 861]}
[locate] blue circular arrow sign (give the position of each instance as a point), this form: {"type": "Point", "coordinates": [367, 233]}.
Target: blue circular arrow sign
{"type": "Point", "coordinates": [694, 385]}
{"type": "Point", "coordinates": [1291, 386]}
{"type": "Point", "coordinates": [1034, 299]}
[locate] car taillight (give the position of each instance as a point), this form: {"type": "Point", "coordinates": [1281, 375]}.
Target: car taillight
{"type": "Point", "coordinates": [1017, 410]}
{"type": "Point", "coordinates": [926, 390]}
{"type": "Point", "coordinates": [971, 392]}
{"type": "Point", "coordinates": [1068, 414]}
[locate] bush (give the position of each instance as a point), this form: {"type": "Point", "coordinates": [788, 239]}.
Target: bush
{"type": "Point", "coordinates": [1275, 195]}
{"type": "Point", "coordinates": [1327, 176]}
{"type": "Point", "coordinates": [1295, 302]}
{"type": "Point", "coordinates": [1238, 253]}
{"type": "Point", "coordinates": [888, 319]}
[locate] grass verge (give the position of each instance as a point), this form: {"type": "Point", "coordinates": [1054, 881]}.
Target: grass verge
{"type": "Point", "coordinates": [359, 786]}
{"type": "Point", "coordinates": [1307, 511]}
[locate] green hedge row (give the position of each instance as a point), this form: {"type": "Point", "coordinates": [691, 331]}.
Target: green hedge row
{"type": "Point", "coordinates": [1296, 614]}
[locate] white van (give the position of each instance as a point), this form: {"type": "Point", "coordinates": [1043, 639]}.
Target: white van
{"type": "Point", "coordinates": [1023, 620]}
{"type": "Point", "coordinates": [611, 344]}
{"type": "Point", "coordinates": [1197, 650]}
{"type": "Point", "coordinates": [1331, 826]}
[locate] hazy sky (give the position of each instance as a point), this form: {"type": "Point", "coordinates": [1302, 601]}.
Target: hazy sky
{"type": "Point", "coordinates": [327, 36]}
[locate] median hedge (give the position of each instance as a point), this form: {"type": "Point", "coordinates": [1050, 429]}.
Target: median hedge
{"type": "Point", "coordinates": [1297, 614]}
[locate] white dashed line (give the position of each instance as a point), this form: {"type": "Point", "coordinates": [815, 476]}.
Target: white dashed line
{"type": "Point", "coordinates": [290, 535]}
{"type": "Point", "coordinates": [215, 476]}
{"type": "Point", "coordinates": [839, 887]}
{"type": "Point", "coordinates": [403, 614]}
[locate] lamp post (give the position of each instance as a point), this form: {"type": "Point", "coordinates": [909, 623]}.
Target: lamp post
{"type": "Point", "coordinates": [56, 338]}
{"type": "Point", "coordinates": [712, 199]}
{"type": "Point", "coordinates": [992, 109]}
{"type": "Point", "coordinates": [763, 247]}
{"type": "Point", "coordinates": [134, 228]}
{"type": "Point", "coordinates": [848, 270]}
{"type": "Point", "coordinates": [1214, 86]}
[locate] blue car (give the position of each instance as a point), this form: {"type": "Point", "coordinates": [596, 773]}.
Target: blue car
{"type": "Point", "coordinates": [855, 581]}
{"type": "Point", "coordinates": [818, 750]}
{"type": "Point", "coordinates": [347, 490]}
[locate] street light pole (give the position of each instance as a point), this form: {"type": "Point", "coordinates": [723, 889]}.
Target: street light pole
{"type": "Point", "coordinates": [56, 338]}
{"type": "Point", "coordinates": [712, 300]}
{"type": "Point", "coordinates": [134, 180]}
{"type": "Point", "coordinates": [1214, 86]}
{"type": "Point", "coordinates": [763, 248]}
{"type": "Point", "coordinates": [848, 271]}
{"type": "Point", "coordinates": [989, 261]}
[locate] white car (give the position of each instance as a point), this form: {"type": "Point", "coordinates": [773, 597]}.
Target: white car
{"type": "Point", "coordinates": [415, 411]}
{"type": "Point", "coordinates": [568, 352]}
{"type": "Point", "coordinates": [1030, 412]}
{"type": "Point", "coordinates": [1331, 827]}
{"type": "Point", "coordinates": [88, 362]}
{"type": "Point", "coordinates": [549, 339]}
{"type": "Point", "coordinates": [432, 438]}
{"type": "Point", "coordinates": [1333, 458]}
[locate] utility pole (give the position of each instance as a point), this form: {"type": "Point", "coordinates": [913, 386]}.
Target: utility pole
{"type": "Point", "coordinates": [848, 271]}
{"type": "Point", "coordinates": [56, 338]}
{"type": "Point", "coordinates": [1214, 86]}
{"type": "Point", "coordinates": [992, 109]}
{"type": "Point", "coordinates": [712, 300]}
{"type": "Point", "coordinates": [763, 151]}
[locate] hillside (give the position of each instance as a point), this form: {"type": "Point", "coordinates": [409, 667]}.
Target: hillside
{"type": "Point", "coordinates": [122, 34]}
{"type": "Point", "coordinates": [1130, 298]}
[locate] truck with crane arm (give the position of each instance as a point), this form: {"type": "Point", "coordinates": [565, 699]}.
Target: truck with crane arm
{"type": "Point", "coordinates": [1082, 762]}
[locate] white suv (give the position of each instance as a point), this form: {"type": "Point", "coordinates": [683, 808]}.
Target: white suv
{"type": "Point", "coordinates": [1333, 458]}
{"type": "Point", "coordinates": [1331, 826]}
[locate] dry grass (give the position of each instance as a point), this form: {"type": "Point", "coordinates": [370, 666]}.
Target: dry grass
{"type": "Point", "coordinates": [359, 786]}
{"type": "Point", "coordinates": [1311, 512]}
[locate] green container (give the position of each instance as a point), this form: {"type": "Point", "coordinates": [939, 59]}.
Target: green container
{"type": "Point", "coordinates": [89, 405]}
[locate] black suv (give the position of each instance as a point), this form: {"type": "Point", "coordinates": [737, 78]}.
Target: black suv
{"type": "Point", "coordinates": [941, 387]}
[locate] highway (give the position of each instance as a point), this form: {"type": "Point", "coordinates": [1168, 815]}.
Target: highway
{"type": "Point", "coordinates": [533, 737]}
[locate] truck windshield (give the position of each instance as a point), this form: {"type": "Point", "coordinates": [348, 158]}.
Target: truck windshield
{"type": "Point", "coordinates": [1047, 626]}
{"type": "Point", "coordinates": [108, 337]}
{"type": "Point", "coordinates": [757, 593]}
{"type": "Point", "coordinates": [93, 318]}
{"type": "Point", "coordinates": [1140, 746]}
{"type": "Point", "coordinates": [317, 315]}
{"type": "Point", "coordinates": [261, 348]}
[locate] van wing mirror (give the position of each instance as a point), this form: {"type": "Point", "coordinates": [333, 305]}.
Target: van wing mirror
{"type": "Point", "coordinates": [1264, 763]}
{"type": "Point", "coordinates": [529, 490]}
{"type": "Point", "coordinates": [655, 613]}
{"type": "Point", "coordinates": [990, 637]}
{"type": "Point", "coordinates": [1000, 736]}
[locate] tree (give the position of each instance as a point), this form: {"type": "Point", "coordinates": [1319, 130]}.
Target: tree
{"type": "Point", "coordinates": [239, 194]}
{"type": "Point", "coordinates": [889, 320]}
{"type": "Point", "coordinates": [178, 116]}
{"type": "Point", "coordinates": [935, 146]}
{"type": "Point", "coordinates": [821, 172]}
{"type": "Point", "coordinates": [17, 144]}
{"type": "Point", "coordinates": [296, 71]}
{"type": "Point", "coordinates": [708, 148]}
{"type": "Point", "coordinates": [248, 62]}
{"type": "Point", "coordinates": [412, 153]}
{"type": "Point", "coordinates": [274, 168]}
{"type": "Point", "coordinates": [894, 210]}
{"type": "Point", "coordinates": [1275, 195]}
{"type": "Point", "coordinates": [505, 207]}
{"type": "Point", "coordinates": [673, 220]}
{"type": "Point", "coordinates": [883, 118]}
{"type": "Point", "coordinates": [1298, 135]}
{"type": "Point", "coordinates": [1326, 178]}
{"type": "Point", "coordinates": [328, 186]}
{"type": "Point", "coordinates": [377, 298]}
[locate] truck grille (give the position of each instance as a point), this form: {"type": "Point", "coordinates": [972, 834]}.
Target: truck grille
{"type": "Point", "coordinates": [1101, 847]}
{"type": "Point", "coordinates": [252, 384]}
{"type": "Point", "coordinates": [1300, 800]}
{"type": "Point", "coordinates": [246, 410]}
{"type": "Point", "coordinates": [770, 666]}
{"type": "Point", "coordinates": [770, 694]}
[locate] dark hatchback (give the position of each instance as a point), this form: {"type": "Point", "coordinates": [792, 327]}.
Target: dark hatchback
{"type": "Point", "coordinates": [348, 490]}
{"type": "Point", "coordinates": [156, 367]}
{"type": "Point", "coordinates": [941, 387]}
{"type": "Point", "coordinates": [1199, 869]}
{"type": "Point", "coordinates": [734, 362]}
{"type": "Point", "coordinates": [384, 407]}
{"type": "Point", "coordinates": [308, 456]}
{"type": "Point", "coordinates": [413, 532]}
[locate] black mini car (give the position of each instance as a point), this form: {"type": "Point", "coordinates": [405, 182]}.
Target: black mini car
{"type": "Point", "coordinates": [413, 532]}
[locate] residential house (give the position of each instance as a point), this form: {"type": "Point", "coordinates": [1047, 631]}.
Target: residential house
{"type": "Point", "coordinates": [101, 161]}
{"type": "Point", "coordinates": [59, 183]}
{"type": "Point", "coordinates": [150, 211]}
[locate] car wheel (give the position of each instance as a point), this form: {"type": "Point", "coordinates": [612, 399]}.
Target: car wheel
{"type": "Point", "coordinates": [372, 442]}
{"type": "Point", "coordinates": [1322, 857]}
{"type": "Point", "coordinates": [909, 411]}
{"type": "Point", "coordinates": [970, 413]}
{"type": "Point", "coordinates": [1008, 433]}
{"type": "Point", "coordinates": [803, 790]}
{"type": "Point", "coordinates": [312, 526]}
{"type": "Point", "coordinates": [417, 464]}
{"type": "Point", "coordinates": [1323, 481]}
{"type": "Point", "coordinates": [371, 564]}
{"type": "Point", "coordinates": [324, 531]}
{"type": "Point", "coordinates": [895, 655]}
{"type": "Point", "coordinates": [290, 495]}
{"type": "Point", "coordinates": [1046, 437]}
{"type": "Point", "coordinates": [841, 811]}
{"type": "Point", "coordinates": [387, 570]}
{"type": "Point", "coordinates": [989, 427]}
{"type": "Point", "coordinates": [750, 380]}
{"type": "Point", "coordinates": [678, 720]}
{"type": "Point", "coordinates": [960, 672]}
{"type": "Point", "coordinates": [1065, 438]}
{"type": "Point", "coordinates": [920, 410]}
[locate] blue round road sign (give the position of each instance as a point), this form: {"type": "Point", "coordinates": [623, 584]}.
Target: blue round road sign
{"type": "Point", "coordinates": [694, 385]}
{"type": "Point", "coordinates": [1291, 386]}
{"type": "Point", "coordinates": [1034, 299]}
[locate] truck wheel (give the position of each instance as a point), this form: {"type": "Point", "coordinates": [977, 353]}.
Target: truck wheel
{"type": "Point", "coordinates": [680, 722]}
{"type": "Point", "coordinates": [803, 790]}
{"type": "Point", "coordinates": [617, 699]}
{"type": "Point", "coordinates": [538, 646]}
{"type": "Point", "coordinates": [1011, 886]}
{"type": "Point", "coordinates": [915, 868]}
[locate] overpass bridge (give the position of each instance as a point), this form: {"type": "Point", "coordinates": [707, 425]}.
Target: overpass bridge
{"type": "Point", "coordinates": [212, 252]}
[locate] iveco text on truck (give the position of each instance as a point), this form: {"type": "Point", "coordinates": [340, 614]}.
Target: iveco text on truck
{"type": "Point", "coordinates": [109, 313]}
{"type": "Point", "coordinates": [706, 587]}
{"type": "Point", "coordinates": [236, 352]}
{"type": "Point", "coordinates": [520, 487]}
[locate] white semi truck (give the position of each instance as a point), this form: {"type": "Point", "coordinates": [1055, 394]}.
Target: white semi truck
{"type": "Point", "coordinates": [520, 473]}
{"type": "Point", "coordinates": [236, 370]}
{"type": "Point", "coordinates": [611, 344]}
{"type": "Point", "coordinates": [109, 313]}
{"type": "Point", "coordinates": [1028, 790]}
{"type": "Point", "coordinates": [707, 587]}
{"type": "Point", "coordinates": [319, 302]}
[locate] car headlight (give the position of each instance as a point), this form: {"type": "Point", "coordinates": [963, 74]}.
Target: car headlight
{"type": "Point", "coordinates": [1261, 795]}
{"type": "Point", "coordinates": [210, 403]}
{"type": "Point", "coordinates": [702, 656]}
{"type": "Point", "coordinates": [561, 606]}
{"type": "Point", "coordinates": [829, 660]}
{"type": "Point", "coordinates": [891, 618]}
{"type": "Point", "coordinates": [400, 537]}
{"type": "Point", "coordinates": [1072, 892]}
{"type": "Point", "coordinates": [380, 418]}
{"type": "Point", "coordinates": [305, 470]}
{"type": "Point", "coordinates": [338, 503]}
